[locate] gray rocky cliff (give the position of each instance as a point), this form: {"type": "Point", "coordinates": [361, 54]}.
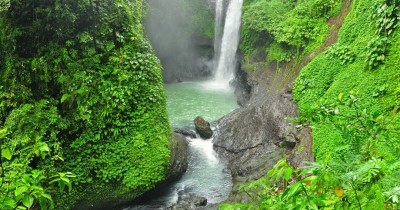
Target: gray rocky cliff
{"type": "Point", "coordinates": [254, 137]}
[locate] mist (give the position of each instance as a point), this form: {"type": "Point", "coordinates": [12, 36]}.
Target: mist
{"type": "Point", "coordinates": [177, 30]}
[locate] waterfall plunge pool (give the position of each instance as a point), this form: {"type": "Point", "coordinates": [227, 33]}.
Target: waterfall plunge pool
{"type": "Point", "coordinates": [205, 175]}
{"type": "Point", "coordinates": [187, 100]}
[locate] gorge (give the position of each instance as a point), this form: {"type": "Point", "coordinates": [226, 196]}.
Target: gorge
{"type": "Point", "coordinates": [206, 175]}
{"type": "Point", "coordinates": [301, 100]}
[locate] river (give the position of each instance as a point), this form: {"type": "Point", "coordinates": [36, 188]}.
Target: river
{"type": "Point", "coordinates": [206, 175]}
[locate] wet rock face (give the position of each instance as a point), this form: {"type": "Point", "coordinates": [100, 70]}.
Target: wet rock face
{"type": "Point", "coordinates": [250, 138]}
{"type": "Point", "coordinates": [203, 128]}
{"type": "Point", "coordinates": [190, 202]}
{"type": "Point", "coordinates": [254, 137]}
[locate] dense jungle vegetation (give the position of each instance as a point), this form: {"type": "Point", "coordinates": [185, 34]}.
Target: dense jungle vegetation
{"type": "Point", "coordinates": [349, 95]}
{"type": "Point", "coordinates": [82, 105]}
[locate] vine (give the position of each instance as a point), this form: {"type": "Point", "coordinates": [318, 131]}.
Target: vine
{"type": "Point", "coordinates": [386, 17]}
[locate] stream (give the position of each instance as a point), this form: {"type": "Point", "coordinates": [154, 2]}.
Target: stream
{"type": "Point", "coordinates": [206, 175]}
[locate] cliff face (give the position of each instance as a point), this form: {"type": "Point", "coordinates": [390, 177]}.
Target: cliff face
{"type": "Point", "coordinates": [254, 137]}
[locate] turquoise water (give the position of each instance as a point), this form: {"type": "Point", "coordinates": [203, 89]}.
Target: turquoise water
{"type": "Point", "coordinates": [206, 175]}
{"type": "Point", "coordinates": [187, 100]}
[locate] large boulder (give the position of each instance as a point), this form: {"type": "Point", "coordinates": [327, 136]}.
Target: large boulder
{"type": "Point", "coordinates": [203, 128]}
{"type": "Point", "coordinates": [178, 164]}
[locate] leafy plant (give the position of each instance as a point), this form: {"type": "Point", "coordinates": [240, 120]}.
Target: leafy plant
{"type": "Point", "coordinates": [267, 24]}
{"type": "Point", "coordinates": [21, 186]}
{"type": "Point", "coordinates": [344, 53]}
{"type": "Point", "coordinates": [81, 92]}
{"type": "Point", "coordinates": [386, 18]}
{"type": "Point", "coordinates": [343, 178]}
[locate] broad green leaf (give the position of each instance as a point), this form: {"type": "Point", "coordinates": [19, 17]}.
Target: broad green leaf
{"type": "Point", "coordinates": [46, 196]}
{"type": "Point", "coordinates": [28, 201]}
{"type": "Point", "coordinates": [36, 173]}
{"type": "Point", "coordinates": [26, 178]}
{"type": "Point", "coordinates": [3, 132]}
{"type": "Point", "coordinates": [65, 97]}
{"type": "Point", "coordinates": [37, 188]}
{"type": "Point", "coordinates": [61, 185]}
{"type": "Point", "coordinates": [68, 182]}
{"type": "Point", "coordinates": [54, 180]}
{"type": "Point", "coordinates": [11, 203]}
{"type": "Point", "coordinates": [288, 173]}
{"type": "Point", "coordinates": [6, 153]}
{"type": "Point", "coordinates": [44, 148]}
{"type": "Point", "coordinates": [20, 190]}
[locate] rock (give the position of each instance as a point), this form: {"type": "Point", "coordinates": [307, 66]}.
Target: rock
{"type": "Point", "coordinates": [190, 202]}
{"type": "Point", "coordinates": [178, 164]}
{"type": "Point", "coordinates": [203, 128]}
{"type": "Point", "coordinates": [242, 88]}
{"type": "Point", "coordinates": [179, 157]}
{"type": "Point", "coordinates": [186, 132]}
{"type": "Point", "coordinates": [199, 201]}
{"type": "Point", "coordinates": [288, 142]}
{"type": "Point", "coordinates": [251, 138]}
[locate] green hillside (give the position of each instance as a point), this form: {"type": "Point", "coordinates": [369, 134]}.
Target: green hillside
{"type": "Point", "coordinates": [349, 95]}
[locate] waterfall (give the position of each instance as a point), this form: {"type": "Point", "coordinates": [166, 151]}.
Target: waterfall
{"type": "Point", "coordinates": [226, 62]}
{"type": "Point", "coordinates": [219, 8]}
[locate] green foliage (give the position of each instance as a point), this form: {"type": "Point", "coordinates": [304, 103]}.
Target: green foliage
{"type": "Point", "coordinates": [236, 206]}
{"type": "Point", "coordinates": [295, 25]}
{"type": "Point", "coordinates": [341, 178]}
{"type": "Point", "coordinates": [376, 54]}
{"type": "Point", "coordinates": [363, 133]}
{"type": "Point", "coordinates": [33, 131]}
{"type": "Point", "coordinates": [81, 91]}
{"type": "Point", "coordinates": [324, 78]}
{"type": "Point", "coordinates": [344, 54]}
{"type": "Point", "coordinates": [386, 16]}
{"type": "Point", "coordinates": [4, 5]}
{"type": "Point", "coordinates": [202, 21]}
{"type": "Point", "coordinates": [21, 185]}
{"type": "Point", "coordinates": [355, 119]}
{"type": "Point", "coordinates": [276, 52]}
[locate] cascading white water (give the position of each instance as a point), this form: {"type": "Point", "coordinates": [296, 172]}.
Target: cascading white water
{"type": "Point", "coordinates": [226, 64]}
{"type": "Point", "coordinates": [219, 9]}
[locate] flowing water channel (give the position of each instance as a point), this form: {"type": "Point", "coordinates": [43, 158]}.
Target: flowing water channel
{"type": "Point", "coordinates": [205, 175]}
